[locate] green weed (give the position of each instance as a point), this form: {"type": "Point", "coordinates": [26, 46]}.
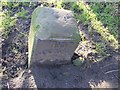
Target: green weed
{"type": "Point", "coordinates": [7, 23]}
{"type": "Point", "coordinates": [101, 48]}
{"type": "Point", "coordinates": [23, 14]}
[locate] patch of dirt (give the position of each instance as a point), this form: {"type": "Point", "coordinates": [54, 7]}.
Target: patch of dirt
{"type": "Point", "coordinates": [102, 74]}
{"type": "Point", "coordinates": [69, 76]}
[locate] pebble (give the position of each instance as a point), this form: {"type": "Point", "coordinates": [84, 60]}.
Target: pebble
{"type": "Point", "coordinates": [29, 72]}
{"type": "Point", "coordinates": [2, 40]}
{"type": "Point", "coordinates": [26, 53]}
{"type": "Point", "coordinates": [27, 22]}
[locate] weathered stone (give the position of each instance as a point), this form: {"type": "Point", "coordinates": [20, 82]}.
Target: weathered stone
{"type": "Point", "coordinates": [53, 36]}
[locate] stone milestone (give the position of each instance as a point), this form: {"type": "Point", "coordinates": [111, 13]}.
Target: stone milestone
{"type": "Point", "coordinates": [53, 36]}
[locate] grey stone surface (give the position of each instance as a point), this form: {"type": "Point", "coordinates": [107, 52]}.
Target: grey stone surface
{"type": "Point", "coordinates": [56, 36]}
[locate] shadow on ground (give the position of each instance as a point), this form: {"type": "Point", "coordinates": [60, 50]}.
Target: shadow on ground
{"type": "Point", "coordinates": [99, 75]}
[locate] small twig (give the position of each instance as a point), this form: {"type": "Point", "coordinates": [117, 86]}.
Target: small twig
{"type": "Point", "coordinates": [107, 65]}
{"type": "Point", "coordinates": [111, 71]}
{"type": "Point", "coordinates": [117, 77]}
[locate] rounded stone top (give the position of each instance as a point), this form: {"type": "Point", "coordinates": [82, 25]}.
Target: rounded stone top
{"type": "Point", "coordinates": [53, 23]}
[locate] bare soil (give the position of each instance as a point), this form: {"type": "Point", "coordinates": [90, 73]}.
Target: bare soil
{"type": "Point", "coordinates": [100, 74]}
{"type": "Point", "coordinates": [70, 76]}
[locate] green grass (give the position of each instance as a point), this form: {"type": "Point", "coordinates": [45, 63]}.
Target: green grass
{"type": "Point", "coordinates": [98, 25]}
{"type": "Point", "coordinates": [107, 14]}
{"type": "Point", "coordinates": [8, 21]}
{"type": "Point", "coordinates": [23, 14]}
{"type": "Point", "coordinates": [9, 17]}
